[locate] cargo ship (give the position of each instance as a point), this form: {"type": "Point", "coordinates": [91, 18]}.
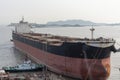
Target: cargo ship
{"type": "Point", "coordinates": [82, 58]}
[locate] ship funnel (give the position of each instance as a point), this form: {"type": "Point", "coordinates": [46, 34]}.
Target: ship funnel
{"type": "Point", "coordinates": [92, 30]}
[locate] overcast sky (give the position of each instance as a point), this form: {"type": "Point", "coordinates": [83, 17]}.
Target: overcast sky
{"type": "Point", "coordinates": [42, 11]}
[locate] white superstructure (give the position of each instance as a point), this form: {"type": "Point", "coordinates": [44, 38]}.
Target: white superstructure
{"type": "Point", "coordinates": [23, 27]}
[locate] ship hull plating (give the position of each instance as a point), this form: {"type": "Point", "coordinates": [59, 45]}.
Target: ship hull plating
{"type": "Point", "coordinates": [82, 68]}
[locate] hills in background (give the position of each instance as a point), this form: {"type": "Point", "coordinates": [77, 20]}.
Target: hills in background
{"type": "Point", "coordinates": [70, 23]}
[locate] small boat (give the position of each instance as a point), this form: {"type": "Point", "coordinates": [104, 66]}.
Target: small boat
{"type": "Point", "coordinates": [24, 67]}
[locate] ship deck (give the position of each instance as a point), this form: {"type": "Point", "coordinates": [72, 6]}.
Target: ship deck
{"type": "Point", "coordinates": [50, 38]}
{"type": "Point", "coordinates": [59, 40]}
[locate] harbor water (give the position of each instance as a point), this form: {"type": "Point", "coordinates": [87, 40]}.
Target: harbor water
{"type": "Point", "coordinates": [9, 56]}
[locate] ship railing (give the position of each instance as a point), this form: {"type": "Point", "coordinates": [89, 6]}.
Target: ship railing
{"type": "Point", "coordinates": [99, 40]}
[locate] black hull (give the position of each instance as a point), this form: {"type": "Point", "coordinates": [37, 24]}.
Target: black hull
{"type": "Point", "coordinates": [68, 49]}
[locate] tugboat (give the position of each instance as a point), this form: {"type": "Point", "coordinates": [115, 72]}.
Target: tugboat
{"type": "Point", "coordinates": [25, 66]}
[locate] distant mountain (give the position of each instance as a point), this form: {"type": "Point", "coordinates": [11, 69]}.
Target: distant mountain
{"type": "Point", "coordinates": [71, 22]}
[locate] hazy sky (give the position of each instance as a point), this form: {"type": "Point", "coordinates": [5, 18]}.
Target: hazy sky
{"type": "Point", "coordinates": [42, 11]}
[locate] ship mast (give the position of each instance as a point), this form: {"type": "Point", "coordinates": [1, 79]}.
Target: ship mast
{"type": "Point", "coordinates": [92, 30]}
